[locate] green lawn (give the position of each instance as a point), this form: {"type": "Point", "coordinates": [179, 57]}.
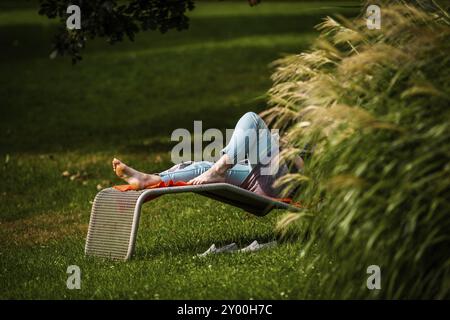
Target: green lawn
{"type": "Point", "coordinates": [124, 101]}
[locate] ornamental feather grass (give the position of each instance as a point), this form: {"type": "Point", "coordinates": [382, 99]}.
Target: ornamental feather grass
{"type": "Point", "coordinates": [372, 109]}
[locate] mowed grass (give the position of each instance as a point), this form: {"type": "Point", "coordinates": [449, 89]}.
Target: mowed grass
{"type": "Point", "coordinates": [124, 101]}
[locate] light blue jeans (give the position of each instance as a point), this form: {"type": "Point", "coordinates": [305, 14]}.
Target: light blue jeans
{"type": "Point", "coordinates": [241, 145]}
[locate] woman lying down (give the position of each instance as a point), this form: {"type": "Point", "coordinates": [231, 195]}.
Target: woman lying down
{"type": "Point", "coordinates": [236, 165]}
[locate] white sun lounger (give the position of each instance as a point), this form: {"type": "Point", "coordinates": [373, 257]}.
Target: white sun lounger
{"type": "Point", "coordinates": [115, 214]}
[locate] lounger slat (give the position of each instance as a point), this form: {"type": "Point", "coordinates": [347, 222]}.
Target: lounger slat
{"type": "Point", "coordinates": [115, 251]}
{"type": "Point", "coordinates": [111, 254]}
{"type": "Point", "coordinates": [118, 218]}
{"type": "Point", "coordinates": [113, 233]}
{"type": "Point", "coordinates": [111, 241]}
{"type": "Point", "coordinates": [113, 225]}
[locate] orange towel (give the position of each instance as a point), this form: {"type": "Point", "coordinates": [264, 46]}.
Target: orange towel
{"type": "Point", "coordinates": [162, 184]}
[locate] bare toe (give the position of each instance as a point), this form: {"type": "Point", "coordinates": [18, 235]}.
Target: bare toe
{"type": "Point", "coordinates": [119, 168]}
{"type": "Point", "coordinates": [115, 163]}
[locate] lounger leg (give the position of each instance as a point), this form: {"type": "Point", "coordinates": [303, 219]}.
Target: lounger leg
{"type": "Point", "coordinates": [113, 224]}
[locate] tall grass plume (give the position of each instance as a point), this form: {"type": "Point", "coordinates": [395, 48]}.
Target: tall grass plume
{"type": "Point", "coordinates": [372, 108]}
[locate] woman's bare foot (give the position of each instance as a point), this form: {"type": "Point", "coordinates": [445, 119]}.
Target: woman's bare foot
{"type": "Point", "coordinates": [133, 177]}
{"type": "Point", "coordinates": [216, 173]}
{"type": "Point", "coordinates": [209, 176]}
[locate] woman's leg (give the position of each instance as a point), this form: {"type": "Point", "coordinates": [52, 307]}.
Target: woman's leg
{"type": "Point", "coordinates": [185, 173]}
{"type": "Point", "coordinates": [250, 140]}
{"type": "Point", "coordinates": [235, 175]}
{"type": "Point", "coordinates": [180, 172]}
